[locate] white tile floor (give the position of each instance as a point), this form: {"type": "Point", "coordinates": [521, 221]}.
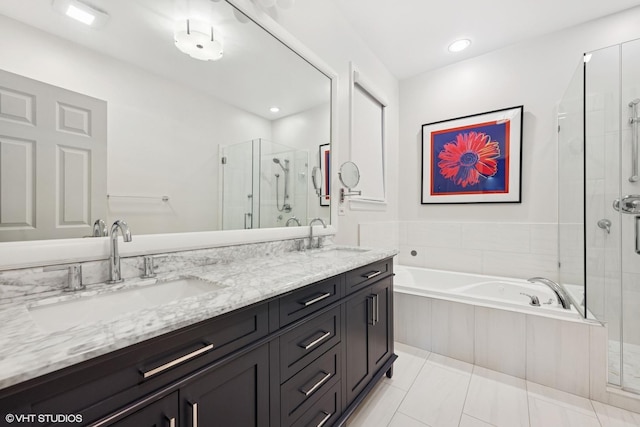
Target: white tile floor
{"type": "Point", "coordinates": [430, 390]}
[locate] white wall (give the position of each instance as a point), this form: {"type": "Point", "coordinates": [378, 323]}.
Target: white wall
{"type": "Point", "coordinates": [534, 73]}
{"type": "Point", "coordinates": [321, 27]}
{"type": "Point", "coordinates": [162, 137]}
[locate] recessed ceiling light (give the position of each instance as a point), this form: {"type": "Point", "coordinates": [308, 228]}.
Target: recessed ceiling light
{"type": "Point", "coordinates": [274, 109]}
{"type": "Point", "coordinates": [81, 12]}
{"type": "Point", "coordinates": [459, 45]}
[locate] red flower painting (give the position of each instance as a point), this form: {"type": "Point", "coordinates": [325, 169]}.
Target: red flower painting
{"type": "Point", "coordinates": [470, 156]}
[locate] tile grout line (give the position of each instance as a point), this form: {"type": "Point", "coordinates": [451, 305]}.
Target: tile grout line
{"type": "Point", "coordinates": [466, 395]}
{"type": "Point", "coordinates": [406, 392]}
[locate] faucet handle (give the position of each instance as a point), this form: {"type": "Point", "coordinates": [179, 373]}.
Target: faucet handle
{"type": "Point", "coordinates": [74, 275]}
{"type": "Point", "coordinates": [149, 266]}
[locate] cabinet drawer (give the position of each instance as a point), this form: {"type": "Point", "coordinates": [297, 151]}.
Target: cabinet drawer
{"type": "Point", "coordinates": [309, 299]}
{"type": "Point", "coordinates": [364, 276]}
{"type": "Point", "coordinates": [306, 342]}
{"type": "Point", "coordinates": [300, 393]}
{"type": "Point", "coordinates": [106, 383]}
{"type": "Point", "coordinates": [324, 412]}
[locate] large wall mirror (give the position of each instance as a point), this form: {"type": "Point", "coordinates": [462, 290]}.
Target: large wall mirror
{"type": "Point", "coordinates": [123, 121]}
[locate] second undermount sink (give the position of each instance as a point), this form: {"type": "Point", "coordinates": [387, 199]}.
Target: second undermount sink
{"type": "Point", "coordinates": [59, 316]}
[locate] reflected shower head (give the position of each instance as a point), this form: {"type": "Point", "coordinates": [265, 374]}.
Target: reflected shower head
{"type": "Point", "coordinates": [278, 162]}
{"type": "Point", "coordinates": [634, 102]}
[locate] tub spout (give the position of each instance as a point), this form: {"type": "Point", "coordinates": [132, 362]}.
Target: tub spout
{"type": "Point", "coordinates": [563, 297]}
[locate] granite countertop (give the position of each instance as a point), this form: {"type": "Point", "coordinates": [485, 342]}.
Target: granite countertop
{"type": "Point", "coordinates": [28, 351]}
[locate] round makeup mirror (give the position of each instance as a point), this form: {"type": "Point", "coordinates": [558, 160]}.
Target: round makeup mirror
{"type": "Point", "coordinates": [349, 174]}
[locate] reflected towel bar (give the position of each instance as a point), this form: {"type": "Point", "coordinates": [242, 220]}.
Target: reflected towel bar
{"type": "Point", "coordinates": [163, 198]}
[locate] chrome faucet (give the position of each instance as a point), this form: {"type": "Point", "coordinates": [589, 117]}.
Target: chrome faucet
{"type": "Point", "coordinates": [115, 275]}
{"type": "Point", "coordinates": [293, 219]}
{"type": "Point", "coordinates": [100, 228]}
{"type": "Point", "coordinates": [311, 231]}
{"type": "Point", "coordinates": [563, 297]}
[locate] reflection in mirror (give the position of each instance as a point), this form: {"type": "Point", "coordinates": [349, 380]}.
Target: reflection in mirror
{"type": "Point", "coordinates": [178, 143]}
{"type": "Point", "coordinates": [316, 179]}
{"type": "Point", "coordinates": [349, 175]}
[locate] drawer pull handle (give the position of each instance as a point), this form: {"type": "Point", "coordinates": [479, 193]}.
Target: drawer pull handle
{"type": "Point", "coordinates": [172, 421]}
{"type": "Point", "coordinates": [371, 274]}
{"type": "Point", "coordinates": [325, 419]}
{"type": "Point", "coordinates": [194, 414]}
{"type": "Point", "coordinates": [325, 377]}
{"type": "Point", "coordinates": [177, 361]}
{"type": "Point", "coordinates": [315, 342]}
{"type": "Point", "coordinates": [316, 299]}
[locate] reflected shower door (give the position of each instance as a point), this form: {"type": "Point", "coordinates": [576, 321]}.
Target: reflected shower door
{"type": "Point", "coordinates": [237, 186]}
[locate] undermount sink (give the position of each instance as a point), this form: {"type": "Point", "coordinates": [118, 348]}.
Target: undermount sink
{"type": "Point", "coordinates": [336, 252]}
{"type": "Point", "coordinates": [63, 315]}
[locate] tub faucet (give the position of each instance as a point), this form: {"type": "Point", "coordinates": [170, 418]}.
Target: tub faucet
{"type": "Point", "coordinates": [311, 231]}
{"type": "Point", "coordinates": [115, 275]}
{"type": "Point", "coordinates": [563, 297]}
{"type": "Point", "coordinates": [293, 219]}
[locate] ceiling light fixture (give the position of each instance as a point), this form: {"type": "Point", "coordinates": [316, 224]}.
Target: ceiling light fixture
{"type": "Point", "coordinates": [274, 109]}
{"type": "Point", "coordinates": [459, 45]}
{"type": "Point", "coordinates": [81, 12]}
{"type": "Point", "coordinates": [196, 39]}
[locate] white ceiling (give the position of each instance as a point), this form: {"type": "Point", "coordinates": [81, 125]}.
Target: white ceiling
{"type": "Point", "coordinates": [256, 72]}
{"type": "Point", "coordinates": [411, 36]}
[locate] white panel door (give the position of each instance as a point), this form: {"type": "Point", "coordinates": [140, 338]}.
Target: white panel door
{"type": "Point", "coordinates": [53, 160]}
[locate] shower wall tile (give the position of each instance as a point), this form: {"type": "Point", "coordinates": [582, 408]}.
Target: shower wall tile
{"type": "Point", "coordinates": [500, 341]}
{"type": "Point", "coordinates": [558, 354]}
{"type": "Point", "coordinates": [412, 320]}
{"type": "Point", "coordinates": [452, 330]}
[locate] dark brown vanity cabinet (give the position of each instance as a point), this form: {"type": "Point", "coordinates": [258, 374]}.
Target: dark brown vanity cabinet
{"type": "Point", "coordinates": [307, 357]}
{"type": "Point", "coordinates": [368, 335]}
{"type": "Point", "coordinates": [161, 413]}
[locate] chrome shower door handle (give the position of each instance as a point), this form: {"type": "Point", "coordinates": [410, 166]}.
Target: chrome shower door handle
{"type": "Point", "coordinates": [633, 120]}
{"type": "Point", "coordinates": [638, 235]}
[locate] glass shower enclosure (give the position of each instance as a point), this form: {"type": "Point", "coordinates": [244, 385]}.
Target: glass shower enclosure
{"type": "Point", "coordinates": [264, 185]}
{"type": "Point", "coordinates": [599, 206]}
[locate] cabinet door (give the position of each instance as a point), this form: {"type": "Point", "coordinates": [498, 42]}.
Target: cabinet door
{"type": "Point", "coordinates": [163, 413]}
{"type": "Point", "coordinates": [369, 335]}
{"type": "Point", "coordinates": [381, 330]}
{"type": "Point", "coordinates": [357, 369]}
{"type": "Point", "coordinates": [234, 394]}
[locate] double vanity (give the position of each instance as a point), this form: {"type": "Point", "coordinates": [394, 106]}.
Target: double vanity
{"type": "Point", "coordinates": [282, 338]}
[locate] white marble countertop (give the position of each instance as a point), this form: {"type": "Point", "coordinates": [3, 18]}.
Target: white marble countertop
{"type": "Point", "coordinates": [27, 351]}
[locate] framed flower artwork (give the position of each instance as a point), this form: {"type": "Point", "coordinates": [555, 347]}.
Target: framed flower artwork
{"type": "Point", "coordinates": [473, 159]}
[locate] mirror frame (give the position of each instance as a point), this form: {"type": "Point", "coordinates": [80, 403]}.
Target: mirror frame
{"type": "Point", "coordinates": [25, 254]}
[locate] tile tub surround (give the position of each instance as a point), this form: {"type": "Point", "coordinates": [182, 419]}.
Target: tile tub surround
{"type": "Point", "coordinates": [544, 350]}
{"type": "Point", "coordinates": [26, 351]}
{"type": "Point", "coordinates": [519, 250]}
